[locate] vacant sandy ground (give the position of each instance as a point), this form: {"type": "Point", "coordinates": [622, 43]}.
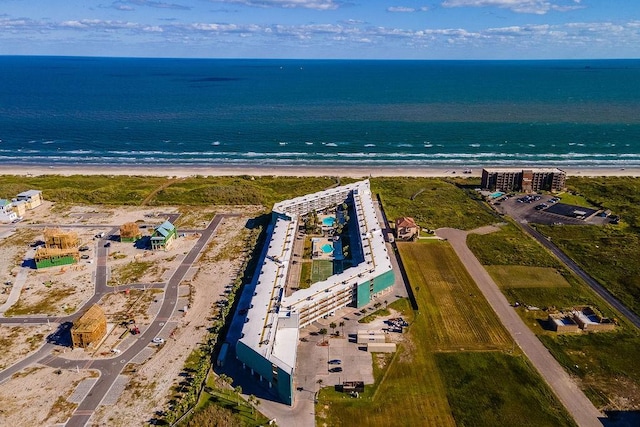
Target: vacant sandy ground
{"type": "Point", "coordinates": [150, 387]}
{"type": "Point", "coordinates": [37, 396]}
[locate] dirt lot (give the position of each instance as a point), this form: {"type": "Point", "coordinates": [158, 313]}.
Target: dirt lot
{"type": "Point", "coordinates": [38, 396]}
{"type": "Point", "coordinates": [22, 340]}
{"type": "Point", "coordinates": [151, 385]}
{"type": "Point", "coordinates": [60, 290]}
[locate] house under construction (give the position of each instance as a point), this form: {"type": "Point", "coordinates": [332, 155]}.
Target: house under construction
{"type": "Point", "coordinates": [60, 248]}
{"type": "Point", "coordinates": [130, 232]}
{"type": "Point", "coordinates": [90, 328]}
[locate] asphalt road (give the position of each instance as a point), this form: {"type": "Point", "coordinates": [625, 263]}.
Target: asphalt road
{"type": "Point", "coordinates": [573, 399]}
{"type": "Point", "coordinates": [109, 368]}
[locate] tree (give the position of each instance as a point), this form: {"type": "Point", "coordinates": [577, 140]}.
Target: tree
{"type": "Point", "coordinates": [254, 402]}
{"type": "Point", "coordinates": [238, 390]}
{"type": "Point", "coordinates": [333, 325]}
{"type": "Point", "coordinates": [323, 332]}
{"type": "Point", "coordinates": [225, 379]}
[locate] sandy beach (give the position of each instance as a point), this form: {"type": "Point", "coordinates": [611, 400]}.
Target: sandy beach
{"type": "Point", "coordinates": [302, 171]}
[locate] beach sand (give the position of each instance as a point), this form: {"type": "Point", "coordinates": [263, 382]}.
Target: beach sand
{"type": "Point", "coordinates": [348, 172]}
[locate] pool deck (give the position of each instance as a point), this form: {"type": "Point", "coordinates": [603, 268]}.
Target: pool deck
{"type": "Point", "coordinates": [317, 245]}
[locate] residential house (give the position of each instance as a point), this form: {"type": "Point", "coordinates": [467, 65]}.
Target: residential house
{"type": "Point", "coordinates": [163, 236]}
{"type": "Point", "coordinates": [406, 228]}
{"type": "Point", "coordinates": [7, 213]}
{"type": "Point", "coordinates": [33, 198]}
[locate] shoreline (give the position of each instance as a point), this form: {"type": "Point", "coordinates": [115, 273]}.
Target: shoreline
{"type": "Point", "coordinates": [295, 171]}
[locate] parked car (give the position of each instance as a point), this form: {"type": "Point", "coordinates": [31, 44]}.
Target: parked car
{"type": "Point", "coordinates": [158, 340]}
{"type": "Point", "coordinates": [336, 369]}
{"type": "Point", "coordinates": [335, 362]}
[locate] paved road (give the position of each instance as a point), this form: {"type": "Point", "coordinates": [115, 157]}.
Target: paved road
{"type": "Point", "coordinates": [580, 408]}
{"type": "Point", "coordinates": [573, 266]}
{"type": "Point", "coordinates": [110, 368]}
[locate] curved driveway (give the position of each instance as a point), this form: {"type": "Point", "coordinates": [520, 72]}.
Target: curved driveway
{"type": "Point", "coordinates": [580, 408]}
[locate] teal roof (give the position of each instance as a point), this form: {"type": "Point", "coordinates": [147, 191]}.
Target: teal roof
{"type": "Point", "coordinates": [167, 226]}
{"type": "Point", "coordinates": [165, 229]}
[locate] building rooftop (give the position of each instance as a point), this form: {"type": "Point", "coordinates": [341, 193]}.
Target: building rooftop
{"type": "Point", "coordinates": [272, 321]}
{"type": "Point", "coordinates": [89, 320]}
{"type": "Point", "coordinates": [518, 170]}
{"type": "Point", "coordinates": [29, 193]}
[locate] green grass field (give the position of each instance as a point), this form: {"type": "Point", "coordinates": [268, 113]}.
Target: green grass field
{"type": "Point", "coordinates": [432, 202]}
{"type": "Point", "coordinates": [510, 246]}
{"type": "Point", "coordinates": [413, 389]}
{"type": "Point", "coordinates": [320, 270]}
{"type": "Point", "coordinates": [452, 304]}
{"type": "Point", "coordinates": [607, 362]}
{"type": "Point", "coordinates": [520, 399]}
{"type": "Point", "coordinates": [519, 276]}
{"type": "Point", "coordinates": [608, 254]}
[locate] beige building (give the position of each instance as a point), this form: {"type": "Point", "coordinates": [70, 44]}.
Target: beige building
{"type": "Point", "coordinates": [32, 198]}
{"type": "Point", "coordinates": [20, 208]}
{"type": "Point", "coordinates": [90, 328]}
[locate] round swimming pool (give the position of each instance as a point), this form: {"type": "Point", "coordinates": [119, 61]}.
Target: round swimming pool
{"type": "Point", "coordinates": [327, 248]}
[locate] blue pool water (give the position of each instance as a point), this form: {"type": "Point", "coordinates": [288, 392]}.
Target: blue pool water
{"type": "Point", "coordinates": [329, 221]}
{"type": "Point", "coordinates": [327, 248]}
{"type": "Point", "coordinates": [496, 195]}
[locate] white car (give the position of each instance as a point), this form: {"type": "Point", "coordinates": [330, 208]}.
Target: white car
{"type": "Point", "coordinates": [158, 340]}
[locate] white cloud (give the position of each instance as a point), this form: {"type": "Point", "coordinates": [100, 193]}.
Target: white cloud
{"type": "Point", "coordinates": [127, 5]}
{"type": "Point", "coordinates": [401, 9]}
{"type": "Point", "coordinates": [538, 7]}
{"type": "Point", "coordinates": [287, 4]}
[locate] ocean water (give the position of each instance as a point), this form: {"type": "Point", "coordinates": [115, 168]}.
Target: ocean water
{"type": "Point", "coordinates": [101, 111]}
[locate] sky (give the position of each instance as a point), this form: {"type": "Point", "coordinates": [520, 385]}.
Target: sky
{"type": "Point", "coordinates": [332, 29]}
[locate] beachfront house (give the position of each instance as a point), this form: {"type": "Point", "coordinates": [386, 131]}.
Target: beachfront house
{"type": "Point", "coordinates": [163, 236]}
{"type": "Point", "coordinates": [33, 198]}
{"type": "Point", "coordinates": [406, 228]}
{"type": "Point", "coordinates": [7, 213]}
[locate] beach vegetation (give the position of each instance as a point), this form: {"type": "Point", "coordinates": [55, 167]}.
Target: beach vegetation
{"type": "Point", "coordinates": [432, 202]}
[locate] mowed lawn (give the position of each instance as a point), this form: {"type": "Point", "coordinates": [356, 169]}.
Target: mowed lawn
{"type": "Point", "coordinates": [413, 389]}
{"type": "Point", "coordinates": [458, 316]}
{"type": "Point", "coordinates": [519, 276]}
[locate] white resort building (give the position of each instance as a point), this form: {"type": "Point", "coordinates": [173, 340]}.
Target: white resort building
{"type": "Point", "coordinates": [269, 320]}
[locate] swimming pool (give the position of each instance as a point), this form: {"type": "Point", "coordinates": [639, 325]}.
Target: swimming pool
{"type": "Point", "coordinates": [327, 248]}
{"type": "Point", "coordinates": [496, 195]}
{"type": "Point", "coordinates": [329, 221]}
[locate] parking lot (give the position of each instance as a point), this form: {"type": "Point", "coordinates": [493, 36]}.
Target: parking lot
{"type": "Point", "coordinates": [545, 209]}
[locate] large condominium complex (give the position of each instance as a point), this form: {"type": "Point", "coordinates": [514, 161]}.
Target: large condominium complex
{"type": "Point", "coordinates": [270, 317]}
{"type": "Point", "coordinates": [527, 180]}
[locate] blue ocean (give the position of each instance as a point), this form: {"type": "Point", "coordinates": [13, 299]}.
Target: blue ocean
{"type": "Point", "coordinates": [206, 112]}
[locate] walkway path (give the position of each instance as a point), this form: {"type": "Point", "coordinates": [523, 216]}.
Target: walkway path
{"type": "Point", "coordinates": [580, 408]}
{"type": "Point", "coordinates": [18, 283]}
